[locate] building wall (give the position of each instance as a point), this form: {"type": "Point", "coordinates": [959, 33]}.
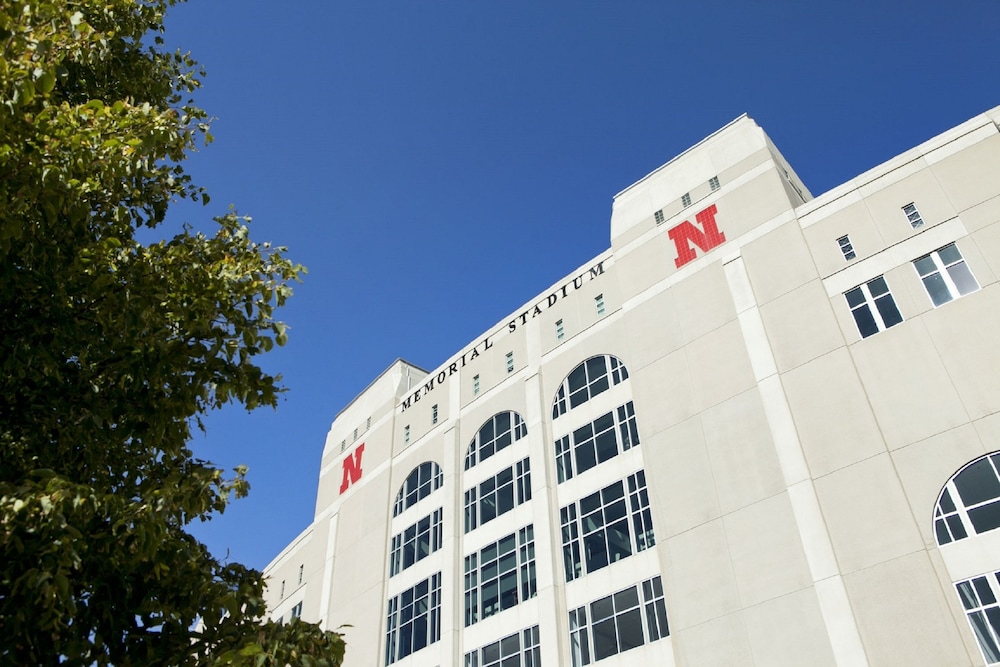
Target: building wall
{"type": "Point", "coordinates": [793, 467]}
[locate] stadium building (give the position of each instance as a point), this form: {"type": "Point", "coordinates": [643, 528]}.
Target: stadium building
{"type": "Point", "coordinates": [761, 429]}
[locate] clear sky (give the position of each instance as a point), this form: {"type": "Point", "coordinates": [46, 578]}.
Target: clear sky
{"type": "Point", "coordinates": [436, 164]}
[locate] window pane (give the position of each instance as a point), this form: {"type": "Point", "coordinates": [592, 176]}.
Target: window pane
{"type": "Point", "coordinates": [925, 265]}
{"type": "Point", "coordinates": [963, 278]}
{"type": "Point", "coordinates": [937, 289]}
{"type": "Point", "coordinates": [957, 527]}
{"type": "Point", "coordinates": [967, 595]}
{"type": "Point", "coordinates": [605, 641]}
{"type": "Point", "coordinates": [855, 297]}
{"type": "Point", "coordinates": [877, 287]}
{"type": "Point", "coordinates": [977, 483]}
{"type": "Point", "coordinates": [984, 638]}
{"type": "Point", "coordinates": [950, 254]}
{"type": "Point", "coordinates": [888, 310]}
{"type": "Point", "coordinates": [946, 503]}
{"type": "Point", "coordinates": [986, 517]}
{"type": "Point", "coordinates": [630, 629]}
{"type": "Point", "coordinates": [865, 321]}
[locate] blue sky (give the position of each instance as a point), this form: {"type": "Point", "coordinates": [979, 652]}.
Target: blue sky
{"type": "Point", "coordinates": [435, 164]}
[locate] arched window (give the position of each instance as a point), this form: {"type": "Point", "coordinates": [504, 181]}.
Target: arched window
{"type": "Point", "coordinates": [498, 432]}
{"type": "Point", "coordinates": [969, 504]}
{"type": "Point", "coordinates": [587, 380]}
{"type": "Point", "coordinates": [425, 478]}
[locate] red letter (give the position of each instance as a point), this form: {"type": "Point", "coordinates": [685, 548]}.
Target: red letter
{"type": "Point", "coordinates": [352, 468]}
{"type": "Point", "coordinates": [684, 234]}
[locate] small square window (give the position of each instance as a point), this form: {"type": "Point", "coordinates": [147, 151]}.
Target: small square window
{"type": "Point", "coordinates": [686, 199]}
{"type": "Point", "coordinates": [406, 434]}
{"type": "Point", "coordinates": [714, 183]}
{"type": "Point", "coordinates": [510, 362]}
{"type": "Point", "coordinates": [913, 215]}
{"type": "Point", "coordinates": [658, 217]}
{"type": "Point", "coordinates": [846, 247]}
{"type": "Point", "coordinates": [873, 307]}
{"type": "Point", "coordinates": [560, 331]}
{"type": "Point", "coordinates": [434, 414]}
{"type": "Point", "coordinates": [475, 385]}
{"type": "Point", "coordinates": [599, 302]}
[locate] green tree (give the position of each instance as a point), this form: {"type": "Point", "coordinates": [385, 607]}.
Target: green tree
{"type": "Point", "coordinates": [111, 350]}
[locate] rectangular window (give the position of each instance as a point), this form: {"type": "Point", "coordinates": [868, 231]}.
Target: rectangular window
{"type": "Point", "coordinates": [599, 302]}
{"type": "Point", "coordinates": [500, 575]}
{"type": "Point", "coordinates": [415, 543]}
{"type": "Point", "coordinates": [913, 215]}
{"type": "Point", "coordinates": [846, 247]}
{"type": "Point", "coordinates": [714, 183]}
{"type": "Point", "coordinates": [475, 385]}
{"type": "Point", "coordinates": [873, 307]}
{"type": "Point", "coordinates": [355, 434]}
{"type": "Point", "coordinates": [520, 649]}
{"type": "Point", "coordinates": [602, 439]}
{"type": "Point", "coordinates": [282, 597]}
{"type": "Point", "coordinates": [498, 495]}
{"type": "Point", "coordinates": [343, 445]}
{"type": "Point", "coordinates": [302, 570]}
{"type": "Point", "coordinates": [434, 414]}
{"type": "Point", "coordinates": [406, 434]}
{"type": "Point", "coordinates": [296, 611]}
{"type": "Point", "coordinates": [658, 217]}
{"type": "Point", "coordinates": [510, 362]}
{"type": "Point", "coordinates": [617, 623]}
{"type": "Point", "coordinates": [413, 620]}
{"type": "Point", "coordinates": [945, 275]}
{"type": "Point", "coordinates": [686, 199]}
{"type": "Point", "coordinates": [560, 331]}
{"type": "Point", "coordinates": [368, 423]}
{"type": "Point", "coordinates": [600, 529]}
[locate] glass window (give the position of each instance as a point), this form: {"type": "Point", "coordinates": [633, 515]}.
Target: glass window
{"type": "Point", "coordinates": [587, 380]}
{"type": "Point", "coordinates": [296, 611]}
{"type": "Point", "coordinates": [520, 649]}
{"type": "Point", "coordinates": [618, 622]}
{"type": "Point", "coordinates": [560, 331]}
{"type": "Point", "coordinates": [498, 495]}
{"type": "Point", "coordinates": [500, 575]}
{"type": "Point", "coordinates": [979, 598]}
{"type": "Point", "coordinates": [913, 216]}
{"type": "Point", "coordinates": [714, 183]}
{"type": "Point", "coordinates": [596, 442]}
{"type": "Point", "coordinates": [873, 307]}
{"type": "Point", "coordinates": [686, 199]}
{"type": "Point", "coordinates": [500, 431]}
{"type": "Point", "coordinates": [601, 528]}
{"type": "Point", "coordinates": [945, 275]}
{"type": "Point", "coordinates": [415, 543]}
{"type": "Point", "coordinates": [413, 620]}
{"type": "Point", "coordinates": [434, 414]}
{"type": "Point", "coordinates": [510, 362]}
{"type": "Point", "coordinates": [475, 385]}
{"type": "Point", "coordinates": [970, 502]}
{"type": "Point", "coordinates": [658, 216]}
{"type": "Point", "coordinates": [846, 247]}
{"type": "Point", "coordinates": [425, 478]}
{"type": "Point", "coordinates": [599, 302]}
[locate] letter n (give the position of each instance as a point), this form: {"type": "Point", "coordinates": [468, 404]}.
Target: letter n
{"type": "Point", "coordinates": [684, 234]}
{"type": "Point", "coordinates": [352, 468]}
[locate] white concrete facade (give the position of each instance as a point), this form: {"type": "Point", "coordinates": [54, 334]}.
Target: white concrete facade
{"type": "Point", "coordinates": [764, 414]}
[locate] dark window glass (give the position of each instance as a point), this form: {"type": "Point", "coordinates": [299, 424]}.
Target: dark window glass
{"type": "Point", "coordinates": [977, 483]}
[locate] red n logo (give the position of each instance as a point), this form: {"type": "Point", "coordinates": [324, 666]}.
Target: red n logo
{"type": "Point", "coordinates": [352, 468]}
{"type": "Point", "coordinates": [684, 234]}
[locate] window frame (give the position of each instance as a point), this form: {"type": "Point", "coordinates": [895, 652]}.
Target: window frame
{"type": "Point", "coordinates": [427, 478]}
{"type": "Point", "coordinates": [514, 480]}
{"type": "Point", "coordinates": [495, 654]}
{"type": "Point", "coordinates": [574, 448]}
{"type": "Point", "coordinates": [516, 561]}
{"type": "Point", "coordinates": [484, 444]}
{"type": "Point", "coordinates": [408, 610]}
{"type": "Point", "coordinates": [411, 538]}
{"type": "Point", "coordinates": [913, 216]}
{"type": "Point", "coordinates": [569, 397]}
{"type": "Point", "coordinates": [648, 615]}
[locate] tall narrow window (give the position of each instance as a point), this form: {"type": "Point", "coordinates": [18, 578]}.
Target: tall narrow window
{"type": "Point", "coordinates": [560, 331]}
{"type": "Point", "coordinates": [475, 385]}
{"type": "Point", "coordinates": [846, 247]}
{"type": "Point", "coordinates": [714, 183]}
{"type": "Point", "coordinates": [913, 215]}
{"type": "Point", "coordinates": [302, 570]}
{"type": "Point", "coordinates": [979, 597]}
{"type": "Point", "coordinates": [282, 589]}
{"type": "Point", "coordinates": [296, 611]}
{"type": "Point", "coordinates": [406, 434]}
{"type": "Point", "coordinates": [658, 217]}
{"type": "Point", "coordinates": [355, 434]}
{"type": "Point", "coordinates": [873, 307]}
{"type": "Point", "coordinates": [599, 302]}
{"type": "Point", "coordinates": [343, 445]}
{"type": "Point", "coordinates": [686, 199]}
{"type": "Point", "coordinates": [368, 424]}
{"type": "Point", "coordinates": [510, 362]}
{"type": "Point", "coordinates": [434, 414]}
{"type": "Point", "coordinates": [945, 275]}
